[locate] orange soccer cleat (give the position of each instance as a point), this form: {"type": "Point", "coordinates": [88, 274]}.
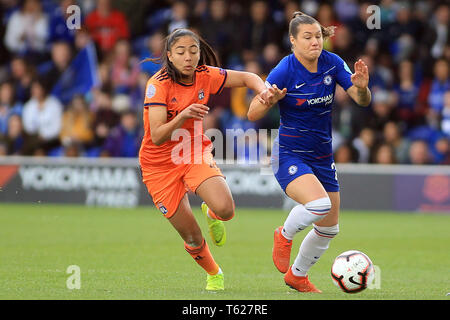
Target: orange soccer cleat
{"type": "Point", "coordinates": [281, 252]}
{"type": "Point", "coordinates": [301, 284]}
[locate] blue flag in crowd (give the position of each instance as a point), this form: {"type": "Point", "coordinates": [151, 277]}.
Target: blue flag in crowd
{"type": "Point", "coordinates": [79, 77]}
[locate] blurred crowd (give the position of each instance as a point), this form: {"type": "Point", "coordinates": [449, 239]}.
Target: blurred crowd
{"type": "Point", "coordinates": [408, 57]}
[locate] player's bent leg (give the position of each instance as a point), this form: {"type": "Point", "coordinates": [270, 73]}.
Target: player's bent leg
{"type": "Point", "coordinates": [332, 218]}
{"type": "Point", "coordinates": [318, 239]}
{"type": "Point", "coordinates": [216, 227]}
{"type": "Point", "coordinates": [304, 189]}
{"type": "Point", "coordinates": [221, 208]}
{"type": "Point", "coordinates": [314, 204]}
{"type": "Point", "coordinates": [184, 222]}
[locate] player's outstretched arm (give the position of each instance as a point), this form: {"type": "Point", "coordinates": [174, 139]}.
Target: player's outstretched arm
{"type": "Point", "coordinates": [259, 107]}
{"type": "Point", "coordinates": [359, 91]}
{"type": "Point", "coordinates": [245, 79]}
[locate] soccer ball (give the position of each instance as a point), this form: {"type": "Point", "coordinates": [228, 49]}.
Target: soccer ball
{"type": "Point", "coordinates": [352, 271]}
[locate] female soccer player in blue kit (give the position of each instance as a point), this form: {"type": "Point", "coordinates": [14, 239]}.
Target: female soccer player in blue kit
{"type": "Point", "coordinates": [303, 84]}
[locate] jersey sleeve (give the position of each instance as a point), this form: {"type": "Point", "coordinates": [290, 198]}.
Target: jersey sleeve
{"type": "Point", "coordinates": [343, 73]}
{"type": "Point", "coordinates": [277, 76]}
{"type": "Point", "coordinates": [218, 77]}
{"type": "Point", "coordinates": [155, 94]}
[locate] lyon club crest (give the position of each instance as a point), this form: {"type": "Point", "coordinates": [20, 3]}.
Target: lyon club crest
{"type": "Point", "coordinates": [201, 94]}
{"type": "Point", "coordinates": [162, 208]}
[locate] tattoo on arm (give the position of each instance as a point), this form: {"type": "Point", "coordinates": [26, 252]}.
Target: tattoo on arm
{"type": "Point", "coordinates": [364, 96]}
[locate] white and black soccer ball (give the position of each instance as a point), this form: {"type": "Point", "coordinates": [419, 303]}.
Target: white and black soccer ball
{"type": "Point", "coordinates": [352, 271]}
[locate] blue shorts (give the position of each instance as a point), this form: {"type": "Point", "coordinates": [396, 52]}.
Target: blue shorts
{"type": "Point", "coordinates": [287, 167]}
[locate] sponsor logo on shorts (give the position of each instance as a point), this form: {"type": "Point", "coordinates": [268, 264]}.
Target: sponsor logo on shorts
{"type": "Point", "coordinates": [292, 170]}
{"type": "Point", "coordinates": [162, 208]}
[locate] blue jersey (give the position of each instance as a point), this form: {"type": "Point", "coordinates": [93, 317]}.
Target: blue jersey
{"type": "Point", "coordinates": [305, 111]}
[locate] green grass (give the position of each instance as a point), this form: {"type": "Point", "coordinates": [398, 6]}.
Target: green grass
{"type": "Point", "coordinates": [136, 254]}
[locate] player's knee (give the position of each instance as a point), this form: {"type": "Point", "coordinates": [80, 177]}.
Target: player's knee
{"type": "Point", "coordinates": [225, 211]}
{"type": "Point", "coordinates": [193, 240]}
{"type": "Point", "coordinates": [319, 207]}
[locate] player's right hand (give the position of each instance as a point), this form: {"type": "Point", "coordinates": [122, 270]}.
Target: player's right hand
{"type": "Point", "coordinates": [195, 111]}
{"type": "Point", "coordinates": [273, 95]}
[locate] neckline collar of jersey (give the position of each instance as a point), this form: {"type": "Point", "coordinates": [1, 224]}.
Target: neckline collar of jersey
{"type": "Point", "coordinates": [301, 66]}
{"type": "Point", "coordinates": [186, 84]}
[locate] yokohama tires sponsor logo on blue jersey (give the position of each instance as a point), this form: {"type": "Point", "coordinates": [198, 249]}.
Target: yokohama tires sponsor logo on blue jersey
{"type": "Point", "coordinates": [326, 99]}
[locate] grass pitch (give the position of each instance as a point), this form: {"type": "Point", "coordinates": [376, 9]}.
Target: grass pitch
{"type": "Point", "coordinates": [136, 254]}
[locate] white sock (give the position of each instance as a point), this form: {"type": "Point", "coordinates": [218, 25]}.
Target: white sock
{"type": "Point", "coordinates": [302, 216]}
{"type": "Point", "coordinates": [312, 248]}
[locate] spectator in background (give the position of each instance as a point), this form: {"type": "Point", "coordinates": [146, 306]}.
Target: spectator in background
{"type": "Point", "coordinates": [51, 71]}
{"type": "Point", "coordinates": [392, 136]}
{"type": "Point", "coordinates": [124, 140]}
{"type": "Point", "coordinates": [407, 92]}
{"type": "Point", "coordinates": [403, 32]}
{"type": "Point", "coordinates": [153, 51]}
{"type": "Point", "coordinates": [347, 117]}
{"type": "Point", "coordinates": [106, 26]}
{"type": "Point", "coordinates": [361, 34]}
{"type": "Point", "coordinates": [445, 122]}
{"type": "Point", "coordinates": [17, 141]}
{"type": "Point", "coordinates": [364, 144]}
{"type": "Point", "coordinates": [270, 57]}
{"type": "Point", "coordinates": [242, 96]}
{"type": "Point", "coordinates": [105, 118]}
{"type": "Point", "coordinates": [419, 153]}
{"type": "Point", "coordinates": [290, 7]}
{"type": "Point", "coordinates": [82, 39]}
{"type": "Point", "coordinates": [42, 116]}
{"type": "Point", "coordinates": [77, 124]}
{"type": "Point", "coordinates": [21, 77]}
{"type": "Point", "coordinates": [439, 86]}
{"type": "Point", "coordinates": [345, 153]}
{"type": "Point", "coordinates": [325, 16]}
{"type": "Point", "coordinates": [7, 106]}
{"type": "Point", "coordinates": [3, 148]}
{"type": "Point", "coordinates": [259, 30]}
{"type": "Point", "coordinates": [124, 69]}
{"type": "Point", "coordinates": [384, 154]}
{"type": "Point", "coordinates": [346, 10]}
{"type": "Point", "coordinates": [179, 16]}
{"type": "Point", "coordinates": [382, 110]}
{"type": "Point", "coordinates": [343, 43]}
{"type": "Point", "coordinates": [59, 32]}
{"type": "Point", "coordinates": [440, 30]}
{"type": "Point", "coordinates": [441, 150]}
{"type": "Point", "coordinates": [27, 31]}
{"type": "Point", "coordinates": [218, 30]}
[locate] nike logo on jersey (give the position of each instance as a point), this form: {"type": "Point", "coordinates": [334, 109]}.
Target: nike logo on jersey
{"type": "Point", "coordinates": [299, 86]}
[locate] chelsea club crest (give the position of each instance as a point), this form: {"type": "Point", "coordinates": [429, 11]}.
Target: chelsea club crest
{"type": "Point", "coordinates": [292, 170]}
{"type": "Point", "coordinates": [327, 80]}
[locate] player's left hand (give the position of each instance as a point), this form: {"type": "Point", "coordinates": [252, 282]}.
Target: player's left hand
{"type": "Point", "coordinates": [360, 78]}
